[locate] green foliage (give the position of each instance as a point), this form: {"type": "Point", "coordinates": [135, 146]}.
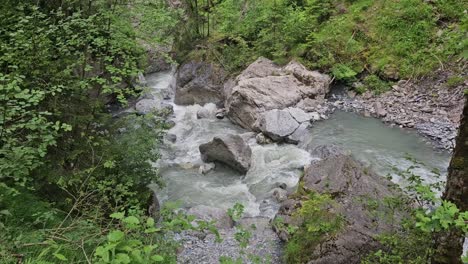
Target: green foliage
{"type": "Point", "coordinates": [129, 244]}
{"type": "Point", "coordinates": [392, 39]}
{"type": "Point", "coordinates": [454, 81]}
{"type": "Point", "coordinates": [425, 213]}
{"type": "Point", "coordinates": [375, 84]}
{"type": "Point", "coordinates": [343, 73]}
{"type": "Point", "coordinates": [64, 163]}
{"type": "Point", "coordinates": [236, 212]}
{"type": "Point", "coordinates": [318, 224]}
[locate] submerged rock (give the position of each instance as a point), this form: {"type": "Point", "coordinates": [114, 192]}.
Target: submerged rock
{"type": "Point", "coordinates": [199, 83]}
{"type": "Point", "coordinates": [264, 86]}
{"type": "Point", "coordinates": [207, 167]}
{"type": "Point", "coordinates": [230, 150]}
{"type": "Point", "coordinates": [350, 185]}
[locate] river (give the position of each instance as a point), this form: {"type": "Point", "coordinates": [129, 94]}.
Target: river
{"type": "Point", "coordinates": [379, 146]}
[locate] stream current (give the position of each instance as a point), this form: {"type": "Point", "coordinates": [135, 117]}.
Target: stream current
{"type": "Point", "coordinates": [377, 145]}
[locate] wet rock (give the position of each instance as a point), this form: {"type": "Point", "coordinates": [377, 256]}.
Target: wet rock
{"type": "Point", "coordinates": [301, 133]}
{"type": "Point", "coordinates": [276, 124]}
{"type": "Point", "coordinates": [206, 167]}
{"type": "Point", "coordinates": [280, 195]}
{"type": "Point", "coordinates": [221, 113]}
{"type": "Point", "coordinates": [281, 185]}
{"type": "Point", "coordinates": [171, 137]}
{"type": "Point", "coordinates": [315, 116]}
{"type": "Point", "coordinates": [170, 124]}
{"type": "Point", "coordinates": [262, 139]}
{"type": "Point", "coordinates": [326, 151]}
{"type": "Point", "coordinates": [264, 86]}
{"type": "Point", "coordinates": [228, 149]}
{"type": "Point", "coordinates": [199, 83]}
{"type": "Point", "coordinates": [203, 113]}
{"type": "Point", "coordinates": [207, 213]}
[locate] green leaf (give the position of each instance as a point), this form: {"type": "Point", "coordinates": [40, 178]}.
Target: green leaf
{"type": "Point", "coordinates": [115, 236]}
{"type": "Point", "coordinates": [60, 256]}
{"type": "Point", "coordinates": [119, 215]}
{"type": "Point", "coordinates": [157, 258]}
{"type": "Point", "coordinates": [150, 222]}
{"type": "Point", "coordinates": [131, 221]}
{"type": "Point", "coordinates": [152, 230]}
{"type": "Point", "coordinates": [122, 258]}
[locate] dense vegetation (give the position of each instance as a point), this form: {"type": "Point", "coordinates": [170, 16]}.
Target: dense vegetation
{"type": "Point", "coordinates": [73, 179]}
{"type": "Point", "coordinates": [387, 40]}
{"type": "Point", "coordinates": [65, 165]}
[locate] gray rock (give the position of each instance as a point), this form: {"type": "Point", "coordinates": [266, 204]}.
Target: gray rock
{"type": "Point", "coordinates": [300, 115]}
{"type": "Point", "coordinates": [276, 124]}
{"type": "Point", "coordinates": [199, 83]}
{"type": "Point", "coordinates": [262, 139]}
{"type": "Point", "coordinates": [171, 137]}
{"type": "Point", "coordinates": [314, 78]}
{"type": "Point", "coordinates": [379, 110]}
{"type": "Point", "coordinates": [348, 182]}
{"type": "Point", "coordinates": [297, 136]}
{"type": "Point", "coordinates": [315, 116]}
{"type": "Point", "coordinates": [280, 195]}
{"type": "Point", "coordinates": [281, 185]}
{"type": "Point", "coordinates": [326, 151]}
{"type": "Point", "coordinates": [206, 167]}
{"type": "Point", "coordinates": [203, 113]}
{"type": "Point", "coordinates": [228, 149]}
{"type": "Point", "coordinates": [264, 86]}
{"type": "Point", "coordinates": [221, 113]}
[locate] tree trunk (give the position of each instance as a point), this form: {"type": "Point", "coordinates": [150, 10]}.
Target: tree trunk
{"type": "Point", "coordinates": [449, 245]}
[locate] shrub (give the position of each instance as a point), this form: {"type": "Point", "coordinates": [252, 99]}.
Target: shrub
{"type": "Point", "coordinates": [318, 225]}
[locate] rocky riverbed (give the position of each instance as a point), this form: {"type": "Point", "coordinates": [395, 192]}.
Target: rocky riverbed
{"type": "Point", "coordinates": [429, 106]}
{"type": "Point", "coordinates": [250, 139]}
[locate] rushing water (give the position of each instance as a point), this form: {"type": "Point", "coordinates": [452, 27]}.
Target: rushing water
{"type": "Point", "coordinates": [368, 139]}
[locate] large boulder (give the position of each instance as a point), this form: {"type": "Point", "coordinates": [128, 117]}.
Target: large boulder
{"type": "Point", "coordinates": [265, 86]}
{"type": "Point", "coordinates": [199, 83]}
{"type": "Point", "coordinates": [228, 149]}
{"type": "Point", "coordinates": [288, 125]}
{"type": "Point", "coordinates": [353, 188]}
{"type": "Point", "coordinates": [276, 124]}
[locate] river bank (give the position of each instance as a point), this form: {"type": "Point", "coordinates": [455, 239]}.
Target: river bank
{"type": "Point", "coordinates": [430, 106]}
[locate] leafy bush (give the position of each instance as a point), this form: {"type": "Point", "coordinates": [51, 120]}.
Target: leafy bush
{"type": "Point", "coordinates": [343, 73]}
{"type": "Point", "coordinates": [375, 84]}
{"type": "Point", "coordinates": [318, 224]}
